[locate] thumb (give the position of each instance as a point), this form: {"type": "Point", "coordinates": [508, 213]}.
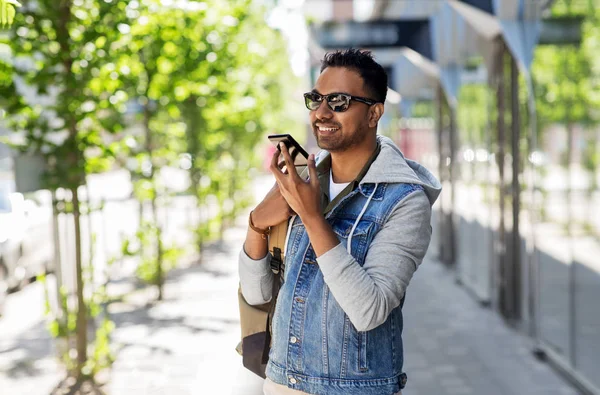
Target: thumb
{"type": "Point", "coordinates": [312, 170]}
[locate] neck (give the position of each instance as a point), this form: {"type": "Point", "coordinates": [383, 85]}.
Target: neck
{"type": "Point", "coordinates": [346, 165]}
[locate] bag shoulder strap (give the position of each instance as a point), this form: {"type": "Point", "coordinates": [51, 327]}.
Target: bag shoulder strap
{"type": "Point", "coordinates": [277, 237]}
{"type": "Point", "coordinates": [276, 246]}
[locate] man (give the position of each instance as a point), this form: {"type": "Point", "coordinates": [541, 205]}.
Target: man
{"type": "Point", "coordinates": [360, 228]}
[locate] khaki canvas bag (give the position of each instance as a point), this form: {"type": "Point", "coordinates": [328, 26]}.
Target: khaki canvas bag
{"type": "Point", "coordinates": [255, 321]}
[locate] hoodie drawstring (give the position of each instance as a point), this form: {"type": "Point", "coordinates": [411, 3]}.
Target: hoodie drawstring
{"type": "Point", "coordinates": [287, 235]}
{"type": "Point", "coordinates": [349, 246]}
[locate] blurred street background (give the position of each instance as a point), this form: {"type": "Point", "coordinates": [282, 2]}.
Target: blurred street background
{"type": "Point", "coordinates": [133, 145]}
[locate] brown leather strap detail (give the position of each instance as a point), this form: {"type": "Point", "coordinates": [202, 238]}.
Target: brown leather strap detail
{"type": "Point", "coordinates": [277, 238]}
{"type": "Point", "coordinates": [263, 232]}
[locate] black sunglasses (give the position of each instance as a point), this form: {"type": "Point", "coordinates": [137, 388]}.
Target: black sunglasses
{"type": "Point", "coordinates": [338, 102]}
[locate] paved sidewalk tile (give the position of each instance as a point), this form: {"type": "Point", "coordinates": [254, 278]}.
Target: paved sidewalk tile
{"type": "Point", "coordinates": [185, 344]}
{"type": "Point", "coordinates": [28, 363]}
{"type": "Point", "coordinates": [454, 346]}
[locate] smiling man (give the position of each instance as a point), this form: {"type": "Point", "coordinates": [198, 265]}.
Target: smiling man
{"type": "Point", "coordinates": [359, 229]}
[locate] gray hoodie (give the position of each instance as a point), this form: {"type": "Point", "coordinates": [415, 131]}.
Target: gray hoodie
{"type": "Point", "coordinates": [368, 293]}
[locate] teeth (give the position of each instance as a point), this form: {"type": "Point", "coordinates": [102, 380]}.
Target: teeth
{"type": "Point", "coordinates": [327, 129]}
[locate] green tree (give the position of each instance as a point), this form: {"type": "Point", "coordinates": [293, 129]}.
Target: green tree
{"type": "Point", "coordinates": [150, 51]}
{"type": "Point", "coordinates": [217, 73]}
{"type": "Point", "coordinates": [237, 94]}
{"type": "Point", "coordinates": [64, 104]}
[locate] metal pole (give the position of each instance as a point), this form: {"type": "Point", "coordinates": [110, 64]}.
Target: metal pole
{"type": "Point", "coordinates": [501, 247]}
{"type": "Point", "coordinates": [534, 266]}
{"type": "Point", "coordinates": [440, 127]}
{"type": "Point", "coordinates": [453, 137]}
{"type": "Point", "coordinates": [489, 189]}
{"type": "Point", "coordinates": [514, 261]}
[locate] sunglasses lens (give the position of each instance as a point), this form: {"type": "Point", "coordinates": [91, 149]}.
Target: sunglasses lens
{"type": "Point", "coordinates": [312, 101]}
{"type": "Point", "coordinates": [338, 103]}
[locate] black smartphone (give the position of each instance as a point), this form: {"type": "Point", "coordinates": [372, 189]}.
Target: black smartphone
{"type": "Point", "coordinates": [297, 153]}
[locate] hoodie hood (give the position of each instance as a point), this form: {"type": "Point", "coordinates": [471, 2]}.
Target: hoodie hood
{"type": "Point", "coordinates": [392, 167]}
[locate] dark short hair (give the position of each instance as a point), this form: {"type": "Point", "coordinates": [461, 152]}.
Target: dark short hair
{"type": "Point", "coordinates": [373, 74]}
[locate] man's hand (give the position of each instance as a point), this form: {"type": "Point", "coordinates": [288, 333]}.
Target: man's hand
{"type": "Point", "coordinates": [303, 197]}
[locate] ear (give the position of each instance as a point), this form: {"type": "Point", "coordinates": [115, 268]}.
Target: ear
{"type": "Point", "coordinates": [375, 113]}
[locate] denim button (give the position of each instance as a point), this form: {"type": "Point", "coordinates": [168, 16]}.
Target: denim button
{"type": "Point", "coordinates": [292, 380]}
{"type": "Point", "coordinates": [293, 340]}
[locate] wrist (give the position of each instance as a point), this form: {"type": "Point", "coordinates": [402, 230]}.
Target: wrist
{"type": "Point", "coordinates": [257, 218]}
{"type": "Point", "coordinates": [313, 220]}
{"type": "Point", "coordinates": [262, 231]}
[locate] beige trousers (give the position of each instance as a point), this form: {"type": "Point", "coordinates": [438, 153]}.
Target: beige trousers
{"type": "Point", "coordinates": [272, 388]}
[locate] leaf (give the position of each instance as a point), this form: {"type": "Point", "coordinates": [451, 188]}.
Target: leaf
{"type": "Point", "coordinates": [7, 12]}
{"type": "Point", "coordinates": [3, 14]}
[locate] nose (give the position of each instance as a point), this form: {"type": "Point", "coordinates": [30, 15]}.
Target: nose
{"type": "Point", "coordinates": [323, 112]}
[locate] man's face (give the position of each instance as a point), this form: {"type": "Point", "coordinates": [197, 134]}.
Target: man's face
{"type": "Point", "coordinates": [340, 131]}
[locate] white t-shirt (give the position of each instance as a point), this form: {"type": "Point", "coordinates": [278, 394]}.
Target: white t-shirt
{"type": "Point", "coordinates": [335, 189]}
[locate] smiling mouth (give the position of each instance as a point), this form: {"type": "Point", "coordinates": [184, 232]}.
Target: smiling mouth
{"type": "Point", "coordinates": [327, 130]}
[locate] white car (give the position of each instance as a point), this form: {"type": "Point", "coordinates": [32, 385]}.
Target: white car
{"type": "Point", "coordinates": [26, 242]}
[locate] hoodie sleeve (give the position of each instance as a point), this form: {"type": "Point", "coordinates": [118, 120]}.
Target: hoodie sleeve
{"type": "Point", "coordinates": [369, 293]}
{"type": "Point", "coordinates": [256, 278]}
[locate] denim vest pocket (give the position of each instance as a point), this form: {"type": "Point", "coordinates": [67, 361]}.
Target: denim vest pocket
{"type": "Point", "coordinates": [343, 227]}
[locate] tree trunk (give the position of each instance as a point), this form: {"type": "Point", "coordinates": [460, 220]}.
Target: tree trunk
{"type": "Point", "coordinates": [61, 315]}
{"type": "Point", "coordinates": [159, 249]}
{"type": "Point", "coordinates": [194, 125]}
{"type": "Point", "coordinates": [81, 307]}
{"type": "Point", "coordinates": [140, 222]}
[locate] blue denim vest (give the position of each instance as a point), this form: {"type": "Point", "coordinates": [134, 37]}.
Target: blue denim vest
{"type": "Point", "coordinates": [315, 348]}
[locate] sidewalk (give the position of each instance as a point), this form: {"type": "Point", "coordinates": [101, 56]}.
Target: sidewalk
{"type": "Point", "coordinates": [185, 345]}
{"type": "Point", "coordinates": [452, 345]}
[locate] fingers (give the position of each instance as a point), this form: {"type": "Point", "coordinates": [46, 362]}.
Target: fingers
{"type": "Point", "coordinates": [281, 165]}
{"type": "Point", "coordinates": [289, 163]}
{"type": "Point", "coordinates": [275, 169]}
